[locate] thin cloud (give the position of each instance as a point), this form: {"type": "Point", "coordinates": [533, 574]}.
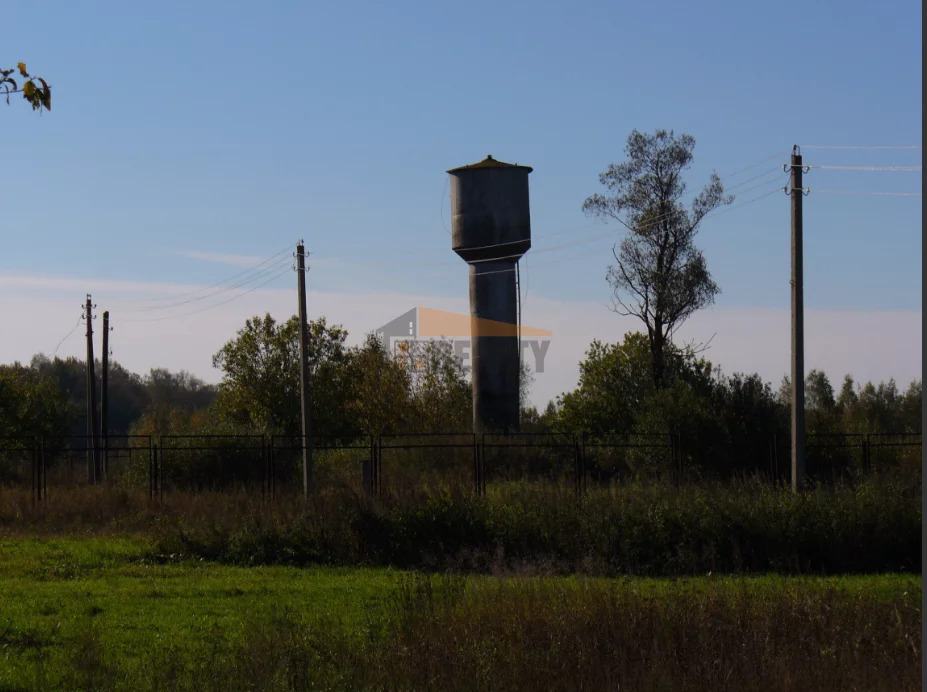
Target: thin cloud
{"type": "Point", "coordinates": [80, 285]}
{"type": "Point", "coordinates": [870, 345]}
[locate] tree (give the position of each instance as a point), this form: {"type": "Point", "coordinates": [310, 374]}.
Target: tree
{"type": "Point", "coordinates": [260, 386]}
{"type": "Point", "coordinates": [31, 404]}
{"type": "Point", "coordinates": [35, 89]}
{"type": "Point", "coordinates": [380, 400]}
{"type": "Point", "coordinates": [616, 387]}
{"type": "Point", "coordinates": [910, 413]}
{"type": "Point", "coordinates": [821, 410]}
{"type": "Point", "coordinates": [614, 384]}
{"type": "Point", "coordinates": [438, 387]}
{"type": "Point", "coordinates": [660, 276]}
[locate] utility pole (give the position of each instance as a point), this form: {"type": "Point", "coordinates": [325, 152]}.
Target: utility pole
{"type": "Point", "coordinates": [104, 396]}
{"type": "Point", "coordinates": [308, 480]}
{"type": "Point", "coordinates": [798, 326]}
{"type": "Point", "coordinates": [92, 427]}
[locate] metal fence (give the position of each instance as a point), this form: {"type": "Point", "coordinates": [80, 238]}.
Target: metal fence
{"type": "Point", "coordinates": [398, 463]}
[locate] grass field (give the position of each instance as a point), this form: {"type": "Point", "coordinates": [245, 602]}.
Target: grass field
{"type": "Point", "coordinates": [110, 613]}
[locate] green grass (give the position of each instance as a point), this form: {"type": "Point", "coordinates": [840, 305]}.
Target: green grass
{"type": "Point", "coordinates": [713, 586]}
{"type": "Point", "coordinates": [55, 590]}
{"type": "Point", "coordinates": [110, 613]}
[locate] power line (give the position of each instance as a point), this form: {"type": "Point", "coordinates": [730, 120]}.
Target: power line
{"type": "Point", "coordinates": [73, 329]}
{"type": "Point", "coordinates": [141, 305]}
{"type": "Point", "coordinates": [842, 146]}
{"type": "Point", "coordinates": [243, 282]}
{"type": "Point", "coordinates": [868, 192]}
{"type": "Point", "coordinates": [214, 305]}
{"type": "Point", "coordinates": [744, 204]}
{"type": "Point", "coordinates": [662, 217]}
{"type": "Point", "coordinates": [758, 163]}
{"type": "Point", "coordinates": [868, 168]}
{"type": "Point", "coordinates": [777, 169]}
{"type": "Point", "coordinates": [560, 260]}
{"type": "Point", "coordinates": [763, 183]}
{"type": "Point", "coordinates": [650, 224]}
{"type": "Point", "coordinates": [570, 229]}
{"type": "Point", "coordinates": [653, 222]}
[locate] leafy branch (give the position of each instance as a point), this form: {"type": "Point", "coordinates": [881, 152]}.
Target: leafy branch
{"type": "Point", "coordinates": [34, 89]}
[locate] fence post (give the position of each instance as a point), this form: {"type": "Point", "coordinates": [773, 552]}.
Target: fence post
{"type": "Point", "coordinates": [482, 462]}
{"type": "Point", "coordinates": [483, 467]}
{"type": "Point", "coordinates": [679, 457]}
{"type": "Point", "coordinates": [156, 472]}
{"type": "Point", "coordinates": [378, 467]}
{"type": "Point", "coordinates": [774, 457]}
{"type": "Point", "coordinates": [576, 471]}
{"type": "Point", "coordinates": [367, 468]}
{"type": "Point", "coordinates": [271, 471]}
{"type": "Point", "coordinates": [43, 476]}
{"type": "Point", "coordinates": [582, 462]}
{"type": "Point", "coordinates": [476, 466]}
{"type": "Point", "coordinates": [674, 455]}
{"type": "Point", "coordinates": [867, 455]}
{"type": "Point", "coordinates": [264, 483]}
{"type": "Point", "coordinates": [34, 472]}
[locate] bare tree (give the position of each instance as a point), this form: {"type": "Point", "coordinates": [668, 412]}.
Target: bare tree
{"type": "Point", "coordinates": [660, 276]}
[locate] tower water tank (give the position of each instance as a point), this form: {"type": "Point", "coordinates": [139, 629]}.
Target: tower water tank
{"type": "Point", "coordinates": [491, 230]}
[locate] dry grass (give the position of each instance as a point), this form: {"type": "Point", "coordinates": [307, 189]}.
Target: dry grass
{"type": "Point", "coordinates": [550, 635]}
{"type": "Point", "coordinates": [530, 634]}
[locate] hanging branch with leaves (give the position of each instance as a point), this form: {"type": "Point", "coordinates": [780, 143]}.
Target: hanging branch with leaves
{"type": "Point", "coordinates": [34, 89]}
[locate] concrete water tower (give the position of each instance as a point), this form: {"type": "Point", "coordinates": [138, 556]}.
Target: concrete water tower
{"type": "Point", "coordinates": [491, 229]}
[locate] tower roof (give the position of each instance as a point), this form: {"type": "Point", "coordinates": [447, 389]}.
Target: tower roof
{"type": "Point", "coordinates": [489, 162]}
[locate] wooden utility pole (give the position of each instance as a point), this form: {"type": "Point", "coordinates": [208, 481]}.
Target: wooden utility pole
{"type": "Point", "coordinates": [798, 327]}
{"type": "Point", "coordinates": [104, 396]}
{"type": "Point", "coordinates": [93, 474]}
{"type": "Point", "coordinates": [308, 480]}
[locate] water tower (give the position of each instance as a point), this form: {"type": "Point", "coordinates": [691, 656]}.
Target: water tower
{"type": "Point", "coordinates": [491, 229]}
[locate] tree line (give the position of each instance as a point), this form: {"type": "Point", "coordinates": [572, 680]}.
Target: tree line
{"type": "Point", "coordinates": [355, 390]}
{"type": "Point", "coordinates": [368, 390]}
{"type": "Point", "coordinates": [727, 422]}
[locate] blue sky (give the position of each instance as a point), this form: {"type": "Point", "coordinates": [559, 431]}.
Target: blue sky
{"type": "Point", "coordinates": [237, 128]}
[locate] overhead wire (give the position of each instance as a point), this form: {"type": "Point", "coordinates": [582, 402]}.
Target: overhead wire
{"type": "Point", "coordinates": [868, 168]}
{"type": "Point", "coordinates": [67, 336]}
{"type": "Point", "coordinates": [867, 192]}
{"type": "Point", "coordinates": [257, 268]}
{"type": "Point", "coordinates": [218, 291]}
{"type": "Point", "coordinates": [662, 217]}
{"type": "Point", "coordinates": [713, 214]}
{"type": "Point", "coordinates": [853, 146]}
{"type": "Point", "coordinates": [779, 153]}
{"type": "Point", "coordinates": [651, 223]}
{"type": "Point", "coordinates": [214, 305]}
{"type": "Point", "coordinates": [776, 169]}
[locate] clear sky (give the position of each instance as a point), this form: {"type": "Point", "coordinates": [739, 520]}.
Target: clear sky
{"type": "Point", "coordinates": [186, 138]}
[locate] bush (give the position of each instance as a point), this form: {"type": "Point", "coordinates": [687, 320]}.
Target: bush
{"type": "Point", "coordinates": [744, 527]}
